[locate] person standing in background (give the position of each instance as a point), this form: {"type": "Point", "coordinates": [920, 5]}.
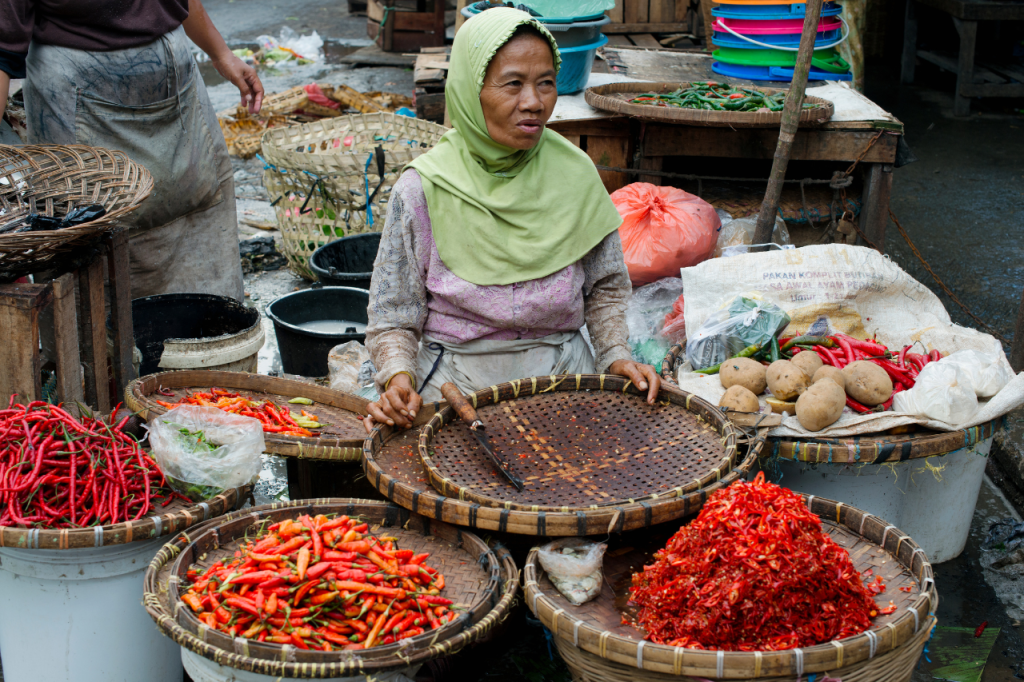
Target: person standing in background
{"type": "Point", "coordinates": [120, 74]}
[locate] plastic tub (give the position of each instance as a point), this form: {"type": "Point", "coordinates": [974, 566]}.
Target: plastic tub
{"type": "Point", "coordinates": [311, 322]}
{"type": "Point", "coordinates": [196, 331]}
{"type": "Point", "coordinates": [576, 65]}
{"type": "Point", "coordinates": [759, 27]}
{"type": "Point", "coordinates": [202, 669]}
{"type": "Point", "coordinates": [931, 499]}
{"type": "Point", "coordinates": [346, 262]}
{"type": "Point", "coordinates": [568, 32]}
{"type": "Point", "coordinates": [75, 615]}
{"type": "Point", "coordinates": [822, 60]}
{"type": "Point", "coordinates": [477, 7]}
{"type": "Point", "coordinates": [773, 73]}
{"type": "Point", "coordinates": [776, 11]}
{"type": "Point", "coordinates": [824, 40]}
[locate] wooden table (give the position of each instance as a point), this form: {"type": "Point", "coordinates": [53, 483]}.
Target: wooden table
{"type": "Point", "coordinates": [616, 141]}
{"type": "Point", "coordinates": [973, 79]}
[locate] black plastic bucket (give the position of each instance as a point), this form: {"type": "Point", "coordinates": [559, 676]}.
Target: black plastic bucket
{"type": "Point", "coordinates": [346, 262]}
{"type": "Point", "coordinates": [311, 322]}
{"type": "Point", "coordinates": [185, 316]}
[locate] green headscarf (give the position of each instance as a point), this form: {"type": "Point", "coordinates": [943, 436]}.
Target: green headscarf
{"type": "Point", "coordinates": [501, 215]}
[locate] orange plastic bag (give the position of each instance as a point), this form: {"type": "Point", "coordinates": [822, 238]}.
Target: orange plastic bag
{"type": "Point", "coordinates": [664, 229]}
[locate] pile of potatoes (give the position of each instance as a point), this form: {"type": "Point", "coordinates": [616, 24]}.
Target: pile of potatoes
{"type": "Point", "coordinates": [804, 386]}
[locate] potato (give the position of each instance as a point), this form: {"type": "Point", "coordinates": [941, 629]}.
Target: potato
{"type": "Point", "coordinates": [780, 406]}
{"type": "Point", "coordinates": [739, 399]}
{"type": "Point", "coordinates": [743, 372]}
{"type": "Point", "coordinates": [821, 405]}
{"type": "Point", "coordinates": [829, 372]}
{"type": "Point", "coordinates": [867, 383]}
{"type": "Point", "coordinates": [808, 361]}
{"type": "Point", "coordinates": [785, 380]}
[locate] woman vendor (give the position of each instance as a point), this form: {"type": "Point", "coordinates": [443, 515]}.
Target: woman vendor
{"type": "Point", "coordinates": [501, 242]}
{"type": "Point", "coordinates": [120, 74]}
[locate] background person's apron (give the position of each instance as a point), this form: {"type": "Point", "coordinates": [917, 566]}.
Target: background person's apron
{"type": "Point", "coordinates": [149, 102]}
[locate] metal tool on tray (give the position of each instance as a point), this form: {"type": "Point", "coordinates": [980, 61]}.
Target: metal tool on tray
{"type": "Point", "coordinates": [466, 412]}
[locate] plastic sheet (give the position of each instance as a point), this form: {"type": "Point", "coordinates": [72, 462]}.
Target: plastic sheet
{"type": "Point", "coordinates": [743, 322]}
{"type": "Point", "coordinates": [345, 366]}
{"type": "Point", "coordinates": [574, 567]}
{"type": "Point", "coordinates": [987, 374]}
{"type": "Point", "coordinates": [737, 236]}
{"type": "Point", "coordinates": [648, 308]}
{"type": "Point", "coordinates": [943, 391]}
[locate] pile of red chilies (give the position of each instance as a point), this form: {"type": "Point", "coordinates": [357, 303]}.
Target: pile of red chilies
{"type": "Point", "coordinates": [59, 471]}
{"type": "Point", "coordinates": [753, 572]}
{"type": "Point", "coordinates": [902, 367]}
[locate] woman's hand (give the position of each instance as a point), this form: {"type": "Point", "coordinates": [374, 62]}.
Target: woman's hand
{"type": "Point", "coordinates": [644, 376]}
{"type": "Point", "coordinates": [242, 76]}
{"type": "Point", "coordinates": [397, 407]}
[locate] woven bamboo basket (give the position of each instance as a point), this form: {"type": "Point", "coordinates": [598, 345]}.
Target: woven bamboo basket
{"type": "Point", "coordinates": [174, 518]}
{"type": "Point", "coordinates": [597, 646]}
{"type": "Point", "coordinates": [615, 97]}
{"type": "Point", "coordinates": [51, 180]}
{"type": "Point", "coordinates": [321, 175]}
{"type": "Point", "coordinates": [392, 465]}
{"type": "Point", "coordinates": [579, 442]}
{"type": "Point", "coordinates": [480, 580]}
{"type": "Point", "coordinates": [340, 439]}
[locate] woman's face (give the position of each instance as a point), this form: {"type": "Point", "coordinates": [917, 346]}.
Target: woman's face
{"type": "Point", "coordinates": [519, 92]}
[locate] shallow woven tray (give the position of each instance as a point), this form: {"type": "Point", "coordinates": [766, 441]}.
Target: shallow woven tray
{"type": "Point", "coordinates": [615, 97]}
{"type": "Point", "coordinates": [175, 517]}
{"type": "Point", "coordinates": [392, 465]}
{"type": "Point", "coordinates": [341, 441]}
{"type": "Point", "coordinates": [597, 629]}
{"type": "Point", "coordinates": [482, 580]}
{"type": "Point", "coordinates": [579, 442]}
{"type": "Point", "coordinates": [52, 179]}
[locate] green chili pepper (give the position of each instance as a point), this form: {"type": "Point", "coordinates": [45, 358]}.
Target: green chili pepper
{"type": "Point", "coordinates": [774, 349]}
{"type": "Point", "coordinates": [745, 353]}
{"type": "Point", "coordinates": [810, 341]}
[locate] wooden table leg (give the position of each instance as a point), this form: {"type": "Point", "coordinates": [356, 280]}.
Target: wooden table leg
{"type": "Point", "coordinates": [874, 212]}
{"type": "Point", "coordinates": [65, 334]}
{"type": "Point", "coordinates": [121, 309]}
{"type": "Point", "coordinates": [20, 368]}
{"type": "Point", "coordinates": [968, 31]}
{"type": "Point", "coordinates": [93, 325]}
{"type": "Point", "coordinates": [909, 60]}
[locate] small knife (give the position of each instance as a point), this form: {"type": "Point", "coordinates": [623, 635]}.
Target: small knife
{"type": "Point", "coordinates": [462, 407]}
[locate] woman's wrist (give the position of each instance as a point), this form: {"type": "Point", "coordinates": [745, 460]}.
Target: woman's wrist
{"type": "Point", "coordinates": [402, 379]}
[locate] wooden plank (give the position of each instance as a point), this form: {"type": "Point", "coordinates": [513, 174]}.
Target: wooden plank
{"type": "Point", "coordinates": [965, 72]}
{"type": "Point", "coordinates": [681, 13]}
{"type": "Point", "coordinates": [1006, 70]}
{"type": "Point", "coordinates": [459, 19]}
{"type": "Point", "coordinates": [908, 61]}
{"type": "Point", "coordinates": [601, 127]}
{"type": "Point", "coordinates": [709, 31]}
{"type": "Point", "coordinates": [93, 325]}
{"type": "Point", "coordinates": [949, 63]}
{"type": "Point", "coordinates": [635, 12]}
{"type": "Point", "coordinates": [65, 334]}
{"type": "Point", "coordinates": [874, 216]}
{"type": "Point", "coordinates": [20, 368]}
{"type": "Point", "coordinates": [617, 40]}
{"type": "Point", "coordinates": [616, 13]}
{"type": "Point", "coordinates": [429, 106]}
{"type": "Point", "coordinates": [638, 27]}
{"type": "Point", "coordinates": [575, 139]}
{"type": "Point", "coordinates": [372, 55]}
{"type": "Point", "coordinates": [644, 40]}
{"type": "Point", "coordinates": [992, 90]}
{"type": "Point", "coordinates": [609, 151]}
{"type": "Point", "coordinates": [742, 143]}
{"type": "Point", "coordinates": [661, 11]}
{"type": "Point", "coordinates": [120, 309]}
{"type": "Point", "coordinates": [652, 163]}
{"type": "Point", "coordinates": [980, 10]}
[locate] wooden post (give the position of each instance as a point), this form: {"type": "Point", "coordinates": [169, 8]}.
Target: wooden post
{"type": "Point", "coordinates": [20, 368]}
{"type": "Point", "coordinates": [120, 309]}
{"type": "Point", "coordinates": [874, 214]}
{"type": "Point", "coordinates": [790, 123]}
{"type": "Point", "coordinates": [909, 61]}
{"type": "Point", "coordinates": [93, 342]}
{"type": "Point", "coordinates": [968, 31]}
{"type": "Point", "coordinates": [1017, 354]}
{"type": "Point", "coordinates": [65, 335]}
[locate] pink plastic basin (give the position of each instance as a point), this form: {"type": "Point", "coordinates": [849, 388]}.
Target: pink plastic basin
{"type": "Point", "coordinates": [762, 27]}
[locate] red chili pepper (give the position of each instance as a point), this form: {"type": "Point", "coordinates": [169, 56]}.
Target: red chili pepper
{"type": "Point", "coordinates": [981, 629]}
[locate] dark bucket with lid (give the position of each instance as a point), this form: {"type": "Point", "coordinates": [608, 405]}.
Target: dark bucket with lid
{"type": "Point", "coordinates": [311, 322]}
{"type": "Point", "coordinates": [346, 262]}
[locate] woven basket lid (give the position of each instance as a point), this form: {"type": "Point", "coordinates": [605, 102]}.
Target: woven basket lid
{"type": "Point", "coordinates": [481, 580]}
{"type": "Point", "coordinates": [597, 626]}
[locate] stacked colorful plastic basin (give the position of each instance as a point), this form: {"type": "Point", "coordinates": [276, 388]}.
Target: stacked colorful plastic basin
{"type": "Point", "coordinates": [758, 40]}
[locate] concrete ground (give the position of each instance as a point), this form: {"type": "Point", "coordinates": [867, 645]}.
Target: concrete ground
{"type": "Point", "coordinates": [962, 204]}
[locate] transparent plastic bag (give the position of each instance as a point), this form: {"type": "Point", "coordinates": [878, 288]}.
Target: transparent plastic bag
{"type": "Point", "coordinates": [203, 450]}
{"type": "Point", "coordinates": [743, 322]}
{"type": "Point", "coordinates": [987, 374]}
{"type": "Point", "coordinates": [943, 391]}
{"type": "Point", "coordinates": [645, 318]}
{"type": "Point", "coordinates": [574, 567]}
{"type": "Point", "coordinates": [344, 366]}
{"type": "Point", "coordinates": [740, 233]}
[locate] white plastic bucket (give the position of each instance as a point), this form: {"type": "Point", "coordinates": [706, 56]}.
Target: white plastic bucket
{"type": "Point", "coordinates": [931, 499]}
{"type": "Point", "coordinates": [76, 615]}
{"type": "Point", "coordinates": [202, 669]}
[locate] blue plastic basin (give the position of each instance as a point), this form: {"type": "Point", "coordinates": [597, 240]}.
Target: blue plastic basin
{"type": "Point", "coordinates": [576, 65]}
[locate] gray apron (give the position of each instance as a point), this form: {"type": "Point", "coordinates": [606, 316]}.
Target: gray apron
{"type": "Point", "coordinates": [149, 102]}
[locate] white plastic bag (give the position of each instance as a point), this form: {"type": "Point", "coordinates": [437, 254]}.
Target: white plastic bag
{"type": "Point", "coordinates": [204, 450]}
{"type": "Point", "coordinates": [743, 322]}
{"type": "Point", "coordinates": [986, 372]}
{"type": "Point", "coordinates": [574, 567]}
{"type": "Point", "coordinates": [344, 362]}
{"type": "Point", "coordinates": [943, 391]}
{"type": "Point", "coordinates": [739, 235]}
{"type": "Point", "coordinates": [645, 317]}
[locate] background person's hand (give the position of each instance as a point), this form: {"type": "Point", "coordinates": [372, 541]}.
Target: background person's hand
{"type": "Point", "coordinates": [243, 76]}
{"type": "Point", "coordinates": [397, 407]}
{"type": "Point", "coordinates": [644, 376]}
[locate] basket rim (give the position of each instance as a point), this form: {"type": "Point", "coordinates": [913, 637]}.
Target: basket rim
{"type": "Point", "coordinates": [583, 382]}
{"type": "Point", "coordinates": [814, 659]}
{"type": "Point", "coordinates": [146, 528]}
{"type": "Point", "coordinates": [348, 662]}
{"type": "Point", "coordinates": [138, 398]}
{"type": "Point", "coordinates": [600, 97]}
